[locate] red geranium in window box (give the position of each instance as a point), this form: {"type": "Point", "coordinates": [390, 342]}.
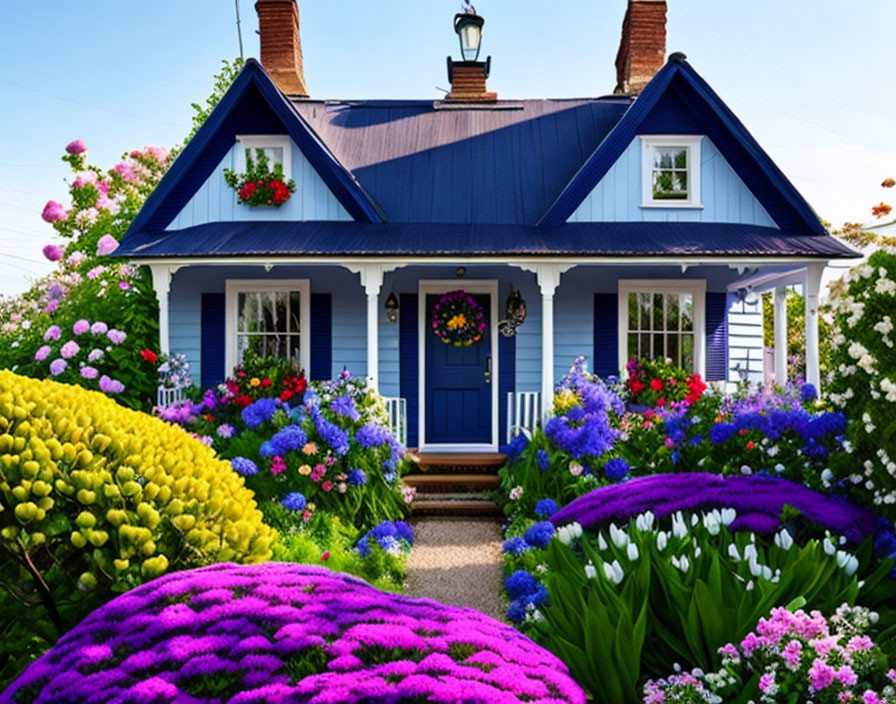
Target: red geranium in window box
{"type": "Point", "coordinates": [261, 185]}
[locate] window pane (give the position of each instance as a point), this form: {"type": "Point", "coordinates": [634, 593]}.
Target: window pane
{"type": "Point", "coordinates": [659, 347]}
{"type": "Point", "coordinates": [662, 158]}
{"type": "Point", "coordinates": [687, 311]}
{"type": "Point", "coordinates": [294, 312]}
{"type": "Point", "coordinates": [645, 350]}
{"type": "Point", "coordinates": [248, 315]}
{"type": "Point", "coordinates": [633, 311]}
{"type": "Point", "coordinates": [645, 302]}
{"type": "Point", "coordinates": [658, 312]}
{"type": "Point", "coordinates": [681, 159]}
{"type": "Point", "coordinates": [633, 346]}
{"type": "Point", "coordinates": [280, 302]}
{"type": "Point", "coordinates": [672, 351]}
{"type": "Point", "coordinates": [687, 351]}
{"type": "Point", "coordinates": [672, 312]}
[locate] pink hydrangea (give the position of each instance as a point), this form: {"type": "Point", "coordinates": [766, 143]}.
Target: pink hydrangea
{"type": "Point", "coordinates": [69, 349]}
{"type": "Point", "coordinates": [75, 258]}
{"type": "Point", "coordinates": [42, 353]}
{"type": "Point", "coordinates": [57, 366]}
{"type": "Point", "coordinates": [53, 212]}
{"type": "Point", "coordinates": [160, 154]}
{"type": "Point", "coordinates": [110, 386]}
{"type": "Point", "coordinates": [106, 245]}
{"type": "Point", "coordinates": [821, 675]}
{"type": "Point", "coordinates": [53, 333]}
{"type": "Point", "coordinates": [124, 285]}
{"type": "Point", "coordinates": [766, 682]}
{"type": "Point", "coordinates": [53, 252]}
{"type": "Point", "coordinates": [80, 327]}
{"type": "Point", "coordinates": [116, 337]}
{"type": "Point", "coordinates": [96, 272]}
{"type": "Point", "coordinates": [52, 306]}
{"type": "Point", "coordinates": [124, 170]}
{"type": "Point", "coordinates": [89, 372]}
{"type": "Point", "coordinates": [99, 328]}
{"type": "Point", "coordinates": [76, 147]}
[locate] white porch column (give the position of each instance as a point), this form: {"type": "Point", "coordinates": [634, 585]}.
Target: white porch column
{"type": "Point", "coordinates": [161, 283]}
{"type": "Point", "coordinates": [811, 290]}
{"type": "Point", "coordinates": [780, 306]}
{"type": "Point", "coordinates": [548, 276]}
{"type": "Point", "coordinates": [372, 281]}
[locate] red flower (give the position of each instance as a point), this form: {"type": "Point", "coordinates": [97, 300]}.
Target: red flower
{"type": "Point", "coordinates": [208, 416]}
{"type": "Point", "coordinates": [149, 356]}
{"type": "Point", "coordinates": [672, 381]}
{"type": "Point", "coordinates": [879, 211]}
{"type": "Point", "coordinates": [286, 395]}
{"type": "Point", "coordinates": [265, 382]}
{"type": "Point", "coordinates": [661, 401]}
{"type": "Point", "coordinates": [656, 384]}
{"type": "Point", "coordinates": [243, 400]}
{"type": "Point", "coordinates": [636, 386]}
{"type": "Point", "coordinates": [742, 431]}
{"type": "Point", "coordinates": [751, 445]}
{"type": "Point", "coordinates": [325, 556]}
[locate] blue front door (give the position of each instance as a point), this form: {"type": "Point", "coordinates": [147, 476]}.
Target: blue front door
{"type": "Point", "coordinates": [458, 385]}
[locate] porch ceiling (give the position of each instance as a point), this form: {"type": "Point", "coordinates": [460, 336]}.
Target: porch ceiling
{"type": "Point", "coordinates": [677, 240]}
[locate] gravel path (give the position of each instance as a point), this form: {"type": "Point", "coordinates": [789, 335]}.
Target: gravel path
{"type": "Point", "coordinates": [458, 562]}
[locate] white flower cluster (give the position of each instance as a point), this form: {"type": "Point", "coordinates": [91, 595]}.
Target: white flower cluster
{"type": "Point", "coordinates": [859, 352]}
{"type": "Point", "coordinates": [889, 388]}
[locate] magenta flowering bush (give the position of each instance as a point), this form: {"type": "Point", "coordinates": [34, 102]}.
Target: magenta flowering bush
{"type": "Point", "coordinates": [89, 285]}
{"type": "Point", "coordinates": [288, 633]}
{"type": "Point", "coordinates": [790, 657]}
{"type": "Point", "coordinates": [759, 501]}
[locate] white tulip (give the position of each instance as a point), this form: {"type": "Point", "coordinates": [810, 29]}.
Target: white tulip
{"type": "Point", "coordinates": [575, 529]}
{"type": "Point", "coordinates": [750, 552]}
{"type": "Point", "coordinates": [733, 553]}
{"type": "Point", "coordinates": [685, 563]}
{"type": "Point", "coordinates": [613, 571]}
{"type": "Point", "coordinates": [619, 537]}
{"type": "Point", "coordinates": [632, 552]}
{"type": "Point", "coordinates": [601, 543]}
{"type": "Point", "coordinates": [679, 527]}
{"type": "Point", "coordinates": [698, 551]}
{"type": "Point", "coordinates": [727, 516]}
{"type": "Point", "coordinates": [783, 539]}
{"type": "Point", "coordinates": [590, 571]}
{"type": "Point", "coordinates": [644, 521]}
{"type": "Point", "coordinates": [712, 523]}
{"type": "Point", "coordinates": [829, 546]}
{"type": "Point", "coordinates": [662, 539]}
{"type": "Point", "coordinates": [563, 535]}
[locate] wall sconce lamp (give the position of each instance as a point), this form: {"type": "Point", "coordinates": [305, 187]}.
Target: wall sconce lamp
{"type": "Point", "coordinates": [392, 308]}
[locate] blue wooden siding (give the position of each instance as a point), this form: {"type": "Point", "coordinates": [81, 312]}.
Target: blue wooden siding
{"type": "Point", "coordinates": [724, 195]}
{"type": "Point", "coordinates": [215, 201]}
{"type": "Point", "coordinates": [574, 315]}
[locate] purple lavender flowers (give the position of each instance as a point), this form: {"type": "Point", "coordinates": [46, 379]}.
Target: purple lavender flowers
{"type": "Point", "coordinates": [758, 501]}
{"type": "Point", "coordinates": [271, 633]}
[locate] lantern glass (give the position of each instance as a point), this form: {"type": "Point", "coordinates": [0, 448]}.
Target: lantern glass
{"type": "Point", "coordinates": [469, 30]}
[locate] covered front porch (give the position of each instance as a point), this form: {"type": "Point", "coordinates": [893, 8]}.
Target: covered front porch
{"type": "Point", "coordinates": [374, 316]}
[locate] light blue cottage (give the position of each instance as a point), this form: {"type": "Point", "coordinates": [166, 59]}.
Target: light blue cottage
{"type": "Point", "coordinates": [629, 225]}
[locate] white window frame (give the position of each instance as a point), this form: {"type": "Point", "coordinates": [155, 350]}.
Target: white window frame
{"type": "Point", "coordinates": [696, 287]}
{"type": "Point", "coordinates": [234, 287]}
{"type": "Point", "coordinates": [262, 141]}
{"type": "Point", "coordinates": [649, 144]}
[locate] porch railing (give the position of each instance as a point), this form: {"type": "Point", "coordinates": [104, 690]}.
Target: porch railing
{"type": "Point", "coordinates": [167, 397]}
{"type": "Point", "coordinates": [523, 412]}
{"type": "Point", "coordinates": [398, 417]}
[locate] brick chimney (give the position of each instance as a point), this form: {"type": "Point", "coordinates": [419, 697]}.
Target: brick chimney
{"type": "Point", "coordinates": [642, 48]}
{"type": "Point", "coordinates": [281, 45]}
{"type": "Point", "coordinates": [468, 81]}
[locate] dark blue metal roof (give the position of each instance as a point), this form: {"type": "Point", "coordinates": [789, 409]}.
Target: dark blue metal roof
{"type": "Point", "coordinates": [435, 162]}
{"type": "Point", "coordinates": [616, 239]}
{"type": "Point", "coordinates": [252, 105]}
{"type": "Point", "coordinates": [679, 101]}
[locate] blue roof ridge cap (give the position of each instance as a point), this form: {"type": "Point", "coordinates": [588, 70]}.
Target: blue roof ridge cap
{"type": "Point", "coordinates": [606, 154]}
{"type": "Point", "coordinates": [339, 179]}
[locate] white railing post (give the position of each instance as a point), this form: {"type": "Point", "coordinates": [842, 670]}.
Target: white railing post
{"type": "Point", "coordinates": [780, 303]}
{"type": "Point", "coordinates": [811, 290]}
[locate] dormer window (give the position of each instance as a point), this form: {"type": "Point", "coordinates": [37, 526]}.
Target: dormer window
{"type": "Point", "coordinates": [275, 147]}
{"type": "Point", "coordinates": [670, 171]}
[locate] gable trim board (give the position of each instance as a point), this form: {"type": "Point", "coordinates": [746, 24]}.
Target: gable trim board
{"type": "Point", "coordinates": [678, 88]}
{"type": "Point", "coordinates": [253, 104]}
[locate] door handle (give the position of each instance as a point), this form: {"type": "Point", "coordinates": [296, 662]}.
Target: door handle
{"type": "Point", "coordinates": [488, 369]}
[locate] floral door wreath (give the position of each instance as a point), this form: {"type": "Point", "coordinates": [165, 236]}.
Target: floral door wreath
{"type": "Point", "coordinates": [457, 319]}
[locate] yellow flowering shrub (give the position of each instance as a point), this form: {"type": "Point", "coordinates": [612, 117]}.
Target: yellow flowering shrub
{"type": "Point", "coordinates": [114, 496]}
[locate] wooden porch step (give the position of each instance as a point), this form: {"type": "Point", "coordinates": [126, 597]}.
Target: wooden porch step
{"type": "Point", "coordinates": [453, 505]}
{"type": "Point", "coordinates": [446, 483]}
{"type": "Point", "coordinates": [459, 462]}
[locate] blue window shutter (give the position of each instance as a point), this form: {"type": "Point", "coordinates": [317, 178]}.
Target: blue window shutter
{"type": "Point", "coordinates": [716, 336]}
{"type": "Point", "coordinates": [606, 334]}
{"type": "Point", "coordinates": [506, 380]}
{"type": "Point", "coordinates": [409, 355]}
{"type": "Point", "coordinates": [321, 327]}
{"type": "Point", "coordinates": [212, 339]}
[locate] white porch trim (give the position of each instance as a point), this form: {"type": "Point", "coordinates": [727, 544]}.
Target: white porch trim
{"type": "Point", "coordinates": [425, 286]}
{"type": "Point", "coordinates": [811, 290]}
{"type": "Point", "coordinates": [161, 283]}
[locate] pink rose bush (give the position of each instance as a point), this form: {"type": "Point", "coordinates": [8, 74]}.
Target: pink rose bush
{"type": "Point", "coordinates": [270, 633]}
{"type": "Point", "coordinates": [790, 657]}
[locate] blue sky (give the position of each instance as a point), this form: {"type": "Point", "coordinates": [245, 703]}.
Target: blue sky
{"type": "Point", "coordinates": [809, 79]}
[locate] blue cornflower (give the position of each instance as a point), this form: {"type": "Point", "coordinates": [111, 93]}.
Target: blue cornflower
{"type": "Point", "coordinates": [332, 434]}
{"type": "Point", "coordinates": [292, 437]}
{"type": "Point", "coordinates": [516, 612]}
{"type": "Point", "coordinates": [517, 445]}
{"type": "Point", "coordinates": [357, 477]}
{"type": "Point", "coordinates": [616, 468]}
{"type": "Point", "coordinates": [257, 413]}
{"type": "Point", "coordinates": [294, 501]}
{"type": "Point", "coordinates": [539, 596]}
{"type": "Point", "coordinates": [372, 435]}
{"type": "Point", "coordinates": [516, 546]}
{"type": "Point", "coordinates": [809, 393]}
{"type": "Point", "coordinates": [696, 440]}
{"type": "Point", "coordinates": [520, 584]}
{"type": "Point", "coordinates": [546, 508]}
{"type": "Point", "coordinates": [721, 432]}
{"type": "Point", "coordinates": [540, 534]}
{"type": "Point", "coordinates": [267, 449]}
{"type": "Point", "coordinates": [543, 459]}
{"type": "Point", "coordinates": [243, 466]}
{"type": "Point", "coordinates": [345, 406]}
